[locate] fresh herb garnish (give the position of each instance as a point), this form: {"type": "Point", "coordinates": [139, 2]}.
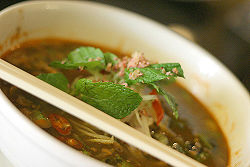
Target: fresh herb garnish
{"type": "Point", "coordinates": [57, 80]}
{"type": "Point", "coordinates": [146, 75]}
{"type": "Point", "coordinates": [153, 73]}
{"type": "Point", "coordinates": [110, 58]}
{"type": "Point", "coordinates": [86, 57]}
{"type": "Point", "coordinates": [174, 69]}
{"type": "Point", "coordinates": [113, 99]}
{"type": "Point", "coordinates": [107, 96]}
{"type": "Point", "coordinates": [89, 58]}
{"type": "Point", "coordinates": [169, 98]}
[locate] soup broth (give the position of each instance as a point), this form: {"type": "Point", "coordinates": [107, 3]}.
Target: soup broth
{"type": "Point", "coordinates": [195, 133]}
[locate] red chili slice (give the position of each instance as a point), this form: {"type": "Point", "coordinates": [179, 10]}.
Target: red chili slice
{"type": "Point", "coordinates": [158, 108]}
{"type": "Point", "coordinates": [61, 124]}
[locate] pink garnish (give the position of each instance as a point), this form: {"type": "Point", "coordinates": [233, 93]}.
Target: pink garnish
{"type": "Point", "coordinates": [168, 73]}
{"type": "Point", "coordinates": [175, 70]}
{"type": "Point", "coordinates": [135, 74]}
{"type": "Point", "coordinates": [137, 60]}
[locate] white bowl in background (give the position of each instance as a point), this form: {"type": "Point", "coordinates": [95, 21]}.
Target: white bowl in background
{"type": "Point", "coordinates": [27, 145]}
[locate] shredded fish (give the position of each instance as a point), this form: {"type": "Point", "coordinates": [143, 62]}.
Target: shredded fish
{"type": "Point", "coordinates": [103, 141]}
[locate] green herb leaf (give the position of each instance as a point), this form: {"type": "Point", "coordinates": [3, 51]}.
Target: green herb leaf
{"type": "Point", "coordinates": [65, 65]}
{"type": "Point", "coordinates": [113, 99]}
{"type": "Point", "coordinates": [149, 75]}
{"type": "Point", "coordinates": [169, 68]}
{"type": "Point", "coordinates": [57, 80]}
{"type": "Point", "coordinates": [169, 98]}
{"type": "Point", "coordinates": [86, 57]}
{"type": "Point", "coordinates": [110, 58]}
{"type": "Point", "coordinates": [153, 73]}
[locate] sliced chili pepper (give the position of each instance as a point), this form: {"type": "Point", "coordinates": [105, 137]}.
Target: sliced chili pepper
{"type": "Point", "coordinates": [158, 108]}
{"type": "Point", "coordinates": [61, 124]}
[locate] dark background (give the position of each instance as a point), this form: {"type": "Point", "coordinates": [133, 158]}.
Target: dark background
{"type": "Point", "coordinates": [220, 26]}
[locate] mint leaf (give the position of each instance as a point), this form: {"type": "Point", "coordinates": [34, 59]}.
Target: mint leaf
{"type": "Point", "coordinates": [149, 75]}
{"type": "Point", "coordinates": [86, 57]}
{"type": "Point", "coordinates": [113, 99]}
{"type": "Point", "coordinates": [110, 58]}
{"type": "Point", "coordinates": [153, 73]}
{"type": "Point", "coordinates": [169, 98]}
{"type": "Point", "coordinates": [171, 101]}
{"type": "Point", "coordinates": [65, 65]}
{"type": "Point", "coordinates": [169, 68]}
{"type": "Point", "coordinates": [57, 80]}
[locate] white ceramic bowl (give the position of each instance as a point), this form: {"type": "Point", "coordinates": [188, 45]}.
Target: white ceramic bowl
{"type": "Point", "coordinates": [27, 145]}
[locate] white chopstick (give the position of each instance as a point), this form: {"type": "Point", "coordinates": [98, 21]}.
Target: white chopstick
{"type": "Point", "coordinates": [93, 116]}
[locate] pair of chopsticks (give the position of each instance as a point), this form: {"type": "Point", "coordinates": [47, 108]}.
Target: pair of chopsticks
{"type": "Point", "coordinates": [93, 116]}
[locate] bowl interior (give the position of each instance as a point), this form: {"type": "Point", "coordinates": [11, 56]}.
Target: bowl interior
{"type": "Point", "coordinates": [206, 78]}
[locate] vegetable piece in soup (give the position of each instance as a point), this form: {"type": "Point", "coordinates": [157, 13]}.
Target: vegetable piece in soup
{"type": "Point", "coordinates": [126, 87]}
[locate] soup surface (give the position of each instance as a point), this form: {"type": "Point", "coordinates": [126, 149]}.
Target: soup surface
{"type": "Point", "coordinates": [194, 133]}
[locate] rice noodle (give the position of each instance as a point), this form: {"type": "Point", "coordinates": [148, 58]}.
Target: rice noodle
{"type": "Point", "coordinates": [138, 118]}
{"type": "Point", "coordinates": [145, 123]}
{"type": "Point", "coordinates": [82, 126]}
{"type": "Point", "coordinates": [149, 97]}
{"type": "Point", "coordinates": [103, 141]}
{"type": "Point", "coordinates": [93, 134]}
{"type": "Point", "coordinates": [84, 130]}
